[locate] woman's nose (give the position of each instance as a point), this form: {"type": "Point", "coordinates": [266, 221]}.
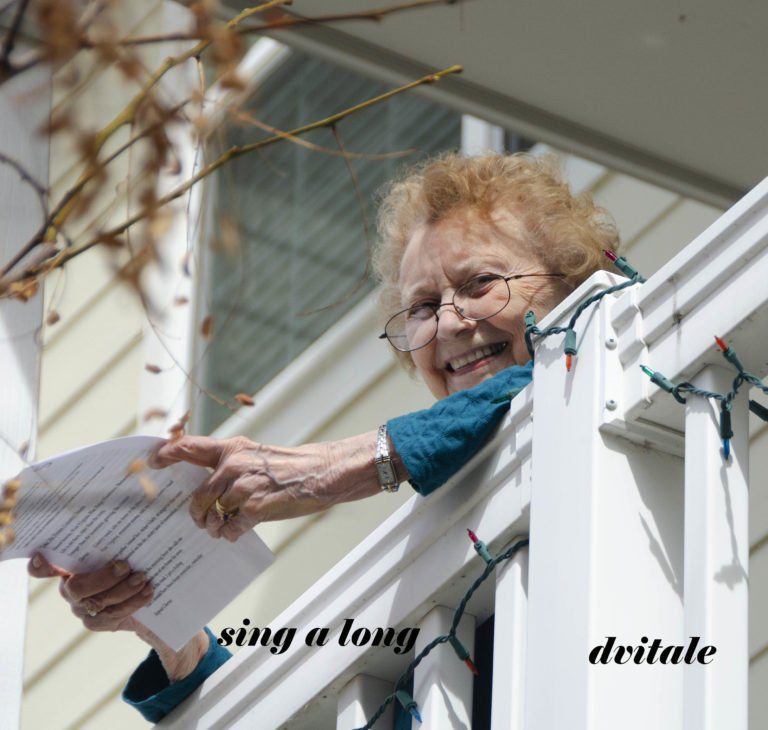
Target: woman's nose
{"type": "Point", "coordinates": [451, 324]}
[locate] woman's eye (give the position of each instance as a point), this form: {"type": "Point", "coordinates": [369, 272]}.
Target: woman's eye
{"type": "Point", "coordinates": [420, 311]}
{"type": "Point", "coordinates": [478, 286]}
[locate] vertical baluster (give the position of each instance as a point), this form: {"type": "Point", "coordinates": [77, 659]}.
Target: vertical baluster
{"type": "Point", "coordinates": [359, 699]}
{"type": "Point", "coordinates": [509, 642]}
{"type": "Point", "coordinates": [716, 560]}
{"type": "Point", "coordinates": [442, 683]}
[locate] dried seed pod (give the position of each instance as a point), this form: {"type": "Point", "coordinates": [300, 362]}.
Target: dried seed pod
{"type": "Point", "coordinates": [206, 328]}
{"type": "Point", "coordinates": [11, 487]}
{"type": "Point", "coordinates": [149, 486]}
{"type": "Point", "coordinates": [155, 413]}
{"type": "Point", "coordinates": [136, 466]}
{"type": "Point", "coordinates": [244, 400]}
{"type": "Point", "coordinates": [52, 318]}
{"type": "Point", "coordinates": [155, 369]}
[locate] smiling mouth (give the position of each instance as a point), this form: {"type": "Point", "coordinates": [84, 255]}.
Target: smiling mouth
{"type": "Point", "coordinates": [480, 353]}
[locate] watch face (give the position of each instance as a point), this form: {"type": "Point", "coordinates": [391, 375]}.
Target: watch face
{"type": "Point", "coordinates": [386, 473]}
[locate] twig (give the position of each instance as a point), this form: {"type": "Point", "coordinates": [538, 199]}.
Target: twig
{"type": "Point", "coordinates": [250, 119]}
{"type": "Point", "coordinates": [278, 24]}
{"type": "Point", "coordinates": [10, 38]}
{"type": "Point", "coordinates": [233, 153]}
{"type": "Point", "coordinates": [128, 113]}
{"type": "Point", "coordinates": [40, 236]}
{"type": "Point", "coordinates": [366, 232]}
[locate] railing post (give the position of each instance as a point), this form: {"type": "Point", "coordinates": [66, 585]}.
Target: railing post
{"type": "Point", "coordinates": [509, 642]}
{"type": "Point", "coordinates": [716, 559]}
{"type": "Point", "coordinates": [359, 699]}
{"type": "Point", "coordinates": [605, 548]}
{"type": "Point", "coordinates": [442, 684]}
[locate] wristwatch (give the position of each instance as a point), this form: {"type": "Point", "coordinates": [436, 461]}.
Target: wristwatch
{"type": "Point", "coordinates": [384, 464]}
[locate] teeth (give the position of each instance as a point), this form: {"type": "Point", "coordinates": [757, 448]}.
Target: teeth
{"type": "Point", "coordinates": [475, 355]}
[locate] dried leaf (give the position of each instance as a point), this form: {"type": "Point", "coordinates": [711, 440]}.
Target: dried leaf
{"type": "Point", "coordinates": [206, 328]}
{"type": "Point", "coordinates": [136, 466]}
{"type": "Point", "coordinates": [244, 400]}
{"type": "Point", "coordinates": [177, 430]}
{"type": "Point", "coordinates": [23, 290]}
{"type": "Point", "coordinates": [228, 240]}
{"type": "Point", "coordinates": [52, 318]}
{"type": "Point", "coordinates": [11, 487]}
{"type": "Point", "coordinates": [7, 536]}
{"type": "Point", "coordinates": [155, 413]}
{"type": "Point", "coordinates": [149, 487]}
{"type": "Point", "coordinates": [155, 369]}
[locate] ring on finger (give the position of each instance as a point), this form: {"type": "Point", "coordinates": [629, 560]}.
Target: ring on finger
{"type": "Point", "coordinates": [224, 513]}
{"type": "Point", "coordinates": [90, 607]}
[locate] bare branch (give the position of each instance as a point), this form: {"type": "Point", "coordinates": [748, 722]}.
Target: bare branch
{"type": "Point", "coordinates": [250, 119]}
{"type": "Point", "coordinates": [366, 232]}
{"type": "Point", "coordinates": [231, 154]}
{"type": "Point", "coordinates": [286, 21]}
{"type": "Point", "coordinates": [10, 38]}
{"type": "Point", "coordinates": [40, 236]}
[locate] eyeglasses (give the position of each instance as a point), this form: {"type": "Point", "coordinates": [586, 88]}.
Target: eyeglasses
{"type": "Point", "coordinates": [479, 298]}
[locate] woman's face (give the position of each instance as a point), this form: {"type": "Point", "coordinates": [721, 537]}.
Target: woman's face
{"type": "Point", "coordinates": [441, 257]}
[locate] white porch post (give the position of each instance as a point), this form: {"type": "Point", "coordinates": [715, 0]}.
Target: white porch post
{"type": "Point", "coordinates": [510, 629]}
{"type": "Point", "coordinates": [442, 684]}
{"type": "Point", "coordinates": [359, 699]}
{"type": "Point", "coordinates": [20, 215]}
{"type": "Point", "coordinates": [716, 559]}
{"type": "Point", "coordinates": [605, 548]}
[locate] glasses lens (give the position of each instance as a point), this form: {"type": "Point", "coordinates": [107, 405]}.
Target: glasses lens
{"type": "Point", "coordinates": [482, 297]}
{"type": "Point", "coordinates": [412, 329]}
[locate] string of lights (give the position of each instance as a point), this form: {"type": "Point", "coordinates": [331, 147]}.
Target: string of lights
{"type": "Point", "coordinates": [400, 694]}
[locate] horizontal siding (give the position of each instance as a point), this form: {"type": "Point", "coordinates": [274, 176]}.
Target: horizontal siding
{"type": "Point", "coordinates": [94, 668]}
{"type": "Point", "coordinates": [633, 203]}
{"type": "Point", "coordinates": [97, 342]}
{"type": "Point", "coordinates": [669, 233]}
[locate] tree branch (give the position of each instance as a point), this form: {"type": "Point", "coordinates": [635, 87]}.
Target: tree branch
{"type": "Point", "coordinates": [287, 21]}
{"type": "Point", "coordinates": [10, 38]}
{"type": "Point", "coordinates": [231, 154]}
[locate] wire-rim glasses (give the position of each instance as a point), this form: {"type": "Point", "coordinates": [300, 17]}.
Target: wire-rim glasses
{"type": "Point", "coordinates": [479, 298]}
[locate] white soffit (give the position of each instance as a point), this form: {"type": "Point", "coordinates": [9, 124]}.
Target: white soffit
{"type": "Point", "coordinates": [673, 92]}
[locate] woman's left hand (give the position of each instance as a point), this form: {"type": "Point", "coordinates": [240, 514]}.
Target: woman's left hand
{"type": "Point", "coordinates": [257, 483]}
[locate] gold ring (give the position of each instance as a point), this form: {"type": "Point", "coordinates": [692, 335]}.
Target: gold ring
{"type": "Point", "coordinates": [224, 513]}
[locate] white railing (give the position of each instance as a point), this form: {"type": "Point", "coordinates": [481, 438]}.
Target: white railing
{"type": "Point", "coordinates": [628, 505]}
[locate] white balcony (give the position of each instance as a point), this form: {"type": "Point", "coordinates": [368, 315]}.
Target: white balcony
{"type": "Point", "coordinates": [629, 508]}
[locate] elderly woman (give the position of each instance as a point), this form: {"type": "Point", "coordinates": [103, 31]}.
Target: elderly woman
{"type": "Point", "coordinates": [467, 247]}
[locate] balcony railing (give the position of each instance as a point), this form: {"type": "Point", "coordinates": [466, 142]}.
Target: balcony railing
{"type": "Point", "coordinates": [638, 531]}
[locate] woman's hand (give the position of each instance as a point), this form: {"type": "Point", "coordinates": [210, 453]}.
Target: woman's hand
{"type": "Point", "coordinates": [106, 599]}
{"type": "Point", "coordinates": [259, 483]}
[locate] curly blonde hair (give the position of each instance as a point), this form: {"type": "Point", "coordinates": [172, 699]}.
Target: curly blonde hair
{"type": "Point", "coordinates": [567, 231]}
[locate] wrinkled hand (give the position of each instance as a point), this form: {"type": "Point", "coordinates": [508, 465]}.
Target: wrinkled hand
{"type": "Point", "coordinates": [114, 593]}
{"type": "Point", "coordinates": [105, 599]}
{"type": "Point", "coordinates": [264, 483]}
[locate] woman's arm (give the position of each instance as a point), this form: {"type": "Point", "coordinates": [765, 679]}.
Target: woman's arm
{"type": "Point", "coordinates": [265, 483]}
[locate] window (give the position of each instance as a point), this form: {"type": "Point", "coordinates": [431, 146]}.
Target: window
{"type": "Point", "coordinates": [301, 253]}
